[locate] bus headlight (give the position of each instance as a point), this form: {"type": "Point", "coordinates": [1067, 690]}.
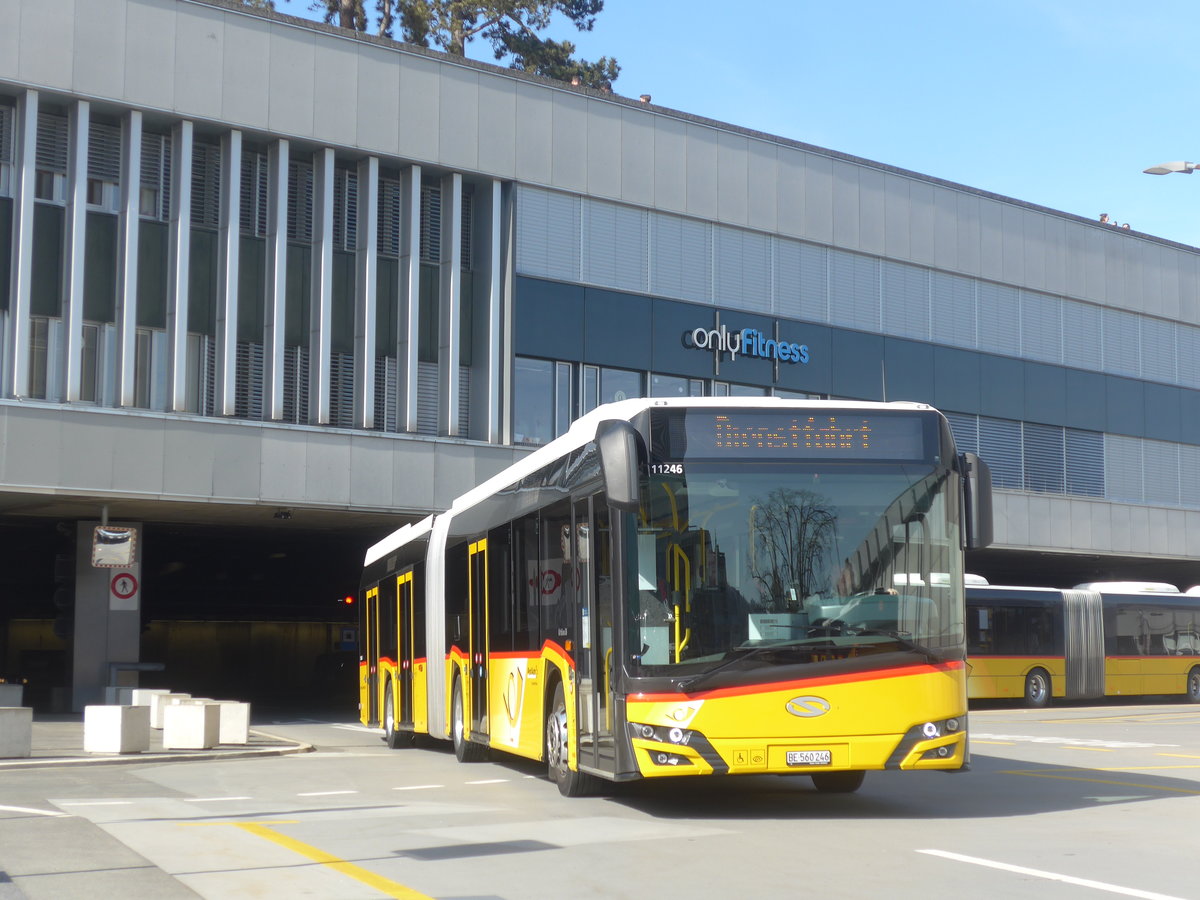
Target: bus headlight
{"type": "Point", "coordinates": [932, 730]}
{"type": "Point", "coordinates": [662, 735]}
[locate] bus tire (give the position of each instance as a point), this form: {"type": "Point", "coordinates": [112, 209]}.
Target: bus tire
{"type": "Point", "coordinates": [1193, 685]}
{"type": "Point", "coordinates": [464, 750]}
{"type": "Point", "coordinates": [396, 739]}
{"type": "Point", "coordinates": [1037, 689]}
{"type": "Point", "coordinates": [558, 770]}
{"type": "Point", "coordinates": [838, 782]}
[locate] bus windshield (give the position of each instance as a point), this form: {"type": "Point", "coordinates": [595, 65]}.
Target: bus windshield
{"type": "Point", "coordinates": [749, 565]}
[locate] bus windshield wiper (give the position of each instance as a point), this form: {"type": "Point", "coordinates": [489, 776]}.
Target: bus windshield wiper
{"type": "Point", "coordinates": [927, 652]}
{"type": "Point", "coordinates": [742, 654]}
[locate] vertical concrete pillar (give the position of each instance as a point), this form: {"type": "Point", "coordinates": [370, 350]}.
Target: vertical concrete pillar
{"type": "Point", "coordinates": [366, 285]}
{"type": "Point", "coordinates": [408, 320]}
{"type": "Point", "coordinates": [450, 305]}
{"type": "Point", "coordinates": [108, 619]}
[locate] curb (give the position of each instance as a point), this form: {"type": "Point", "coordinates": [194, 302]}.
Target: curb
{"type": "Point", "coordinates": [42, 762]}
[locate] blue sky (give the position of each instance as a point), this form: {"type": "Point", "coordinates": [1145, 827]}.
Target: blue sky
{"type": "Point", "coordinates": [1062, 103]}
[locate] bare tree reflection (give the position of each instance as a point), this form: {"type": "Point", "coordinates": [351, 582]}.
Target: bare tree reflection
{"type": "Point", "coordinates": [791, 535]}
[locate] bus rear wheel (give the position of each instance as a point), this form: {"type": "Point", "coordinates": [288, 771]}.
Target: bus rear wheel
{"type": "Point", "coordinates": [395, 738]}
{"type": "Point", "coordinates": [1037, 689]}
{"type": "Point", "coordinates": [838, 782]}
{"type": "Point", "coordinates": [558, 742]}
{"type": "Point", "coordinates": [1193, 685]}
{"type": "Point", "coordinates": [464, 750]}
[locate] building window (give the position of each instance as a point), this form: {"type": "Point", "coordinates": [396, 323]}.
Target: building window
{"type": "Point", "coordinates": [90, 364]}
{"type": "Point", "coordinates": [300, 201]}
{"type": "Point", "coordinates": [39, 349]}
{"type": "Point", "coordinates": [390, 203]}
{"type": "Point", "coordinates": [669, 386]}
{"type": "Point", "coordinates": [141, 369]}
{"type": "Point", "coordinates": [345, 210]}
{"type": "Point", "coordinates": [104, 166]}
{"type": "Point", "coordinates": [620, 384]}
{"type": "Point", "coordinates": [6, 150]}
{"type": "Point", "coordinates": [206, 185]}
{"type": "Point", "coordinates": [431, 223]}
{"type": "Point", "coordinates": [154, 195]}
{"type": "Point", "coordinates": [562, 398]}
{"type": "Point", "coordinates": [51, 158]}
{"type": "Point", "coordinates": [254, 193]}
{"type": "Point", "coordinates": [533, 407]}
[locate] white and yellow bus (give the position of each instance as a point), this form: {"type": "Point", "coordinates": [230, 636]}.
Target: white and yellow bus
{"type": "Point", "coordinates": [1103, 639]}
{"type": "Point", "coordinates": [715, 586]}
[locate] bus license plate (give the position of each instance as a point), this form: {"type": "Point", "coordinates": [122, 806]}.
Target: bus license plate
{"type": "Point", "coordinates": [809, 757]}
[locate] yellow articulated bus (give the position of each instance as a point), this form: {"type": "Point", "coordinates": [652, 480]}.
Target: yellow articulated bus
{"type": "Point", "coordinates": [711, 586]}
{"type": "Point", "coordinates": [1104, 639]}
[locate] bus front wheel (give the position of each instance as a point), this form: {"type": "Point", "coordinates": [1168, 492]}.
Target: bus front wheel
{"type": "Point", "coordinates": [838, 782]}
{"type": "Point", "coordinates": [558, 742]}
{"type": "Point", "coordinates": [1193, 685]}
{"type": "Point", "coordinates": [1037, 689]}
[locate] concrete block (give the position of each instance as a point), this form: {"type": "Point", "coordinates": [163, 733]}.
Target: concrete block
{"type": "Point", "coordinates": [11, 694]}
{"type": "Point", "coordinates": [16, 731]}
{"type": "Point", "coordinates": [143, 696]}
{"type": "Point", "coordinates": [116, 729]}
{"type": "Point", "coordinates": [191, 725]}
{"type": "Point", "coordinates": [235, 722]}
{"type": "Point", "coordinates": [159, 702]}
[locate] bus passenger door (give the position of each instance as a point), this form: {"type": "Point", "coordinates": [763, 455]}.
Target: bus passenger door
{"type": "Point", "coordinates": [369, 669]}
{"type": "Point", "coordinates": [594, 659]}
{"type": "Point", "coordinates": [477, 614]}
{"type": "Point", "coordinates": [405, 641]}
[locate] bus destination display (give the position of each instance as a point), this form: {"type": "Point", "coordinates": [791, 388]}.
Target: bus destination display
{"type": "Point", "coordinates": [816, 436]}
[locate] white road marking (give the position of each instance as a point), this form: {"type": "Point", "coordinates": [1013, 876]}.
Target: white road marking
{"type": "Point", "coordinates": [324, 793]}
{"type": "Point", "coordinates": [418, 787]}
{"type": "Point", "coordinates": [1070, 742]}
{"type": "Point", "coordinates": [95, 802]}
{"type": "Point", "coordinates": [489, 781]}
{"type": "Point", "coordinates": [378, 731]}
{"type": "Point", "coordinates": [212, 799]}
{"type": "Point", "coordinates": [1052, 876]}
{"type": "Point", "coordinates": [36, 812]}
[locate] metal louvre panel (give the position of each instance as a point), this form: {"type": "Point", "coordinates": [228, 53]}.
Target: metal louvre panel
{"type": "Point", "coordinates": [905, 300]}
{"type": "Point", "coordinates": [1187, 362]}
{"type": "Point", "coordinates": [51, 143]}
{"type": "Point", "coordinates": [341, 390]}
{"type": "Point", "coordinates": [208, 375]}
{"type": "Point", "coordinates": [1189, 475]}
{"type": "Point", "coordinates": [1160, 462]}
{"type": "Point", "coordinates": [1122, 344]}
{"type": "Point", "coordinates": [390, 198]}
{"type": "Point", "coordinates": [427, 398]}
{"type": "Point", "coordinates": [206, 185]}
{"type": "Point", "coordinates": [789, 295]}
{"type": "Point", "coordinates": [965, 428]}
{"type": "Point", "coordinates": [431, 223]}
{"type": "Point", "coordinates": [1123, 468]}
{"type": "Point", "coordinates": [814, 283]}
{"type": "Point", "coordinates": [295, 385]}
{"type": "Point", "coordinates": [6, 134]}
{"type": "Point", "coordinates": [104, 152]}
{"type": "Point", "coordinates": [345, 209]}
{"type": "Point", "coordinates": [254, 194]}
{"type": "Point", "coordinates": [385, 393]}
{"type": "Point", "coordinates": [615, 239]}
{"type": "Point", "coordinates": [248, 388]}
{"type": "Point", "coordinates": [854, 291]}
{"type": "Point", "coordinates": [467, 225]}
{"type": "Point", "coordinates": [999, 319]}
{"type": "Point", "coordinates": [1158, 351]}
{"type": "Point", "coordinates": [953, 315]}
{"type": "Point", "coordinates": [1084, 643]}
{"type": "Point", "coordinates": [1000, 445]}
{"type": "Point", "coordinates": [1085, 462]}
{"type": "Point", "coordinates": [681, 260]}
{"type": "Point", "coordinates": [464, 401]}
{"type": "Point", "coordinates": [300, 201]}
{"type": "Point", "coordinates": [742, 260]}
{"type": "Point", "coordinates": [548, 234]}
{"type": "Point", "coordinates": [1041, 327]}
{"type": "Point", "coordinates": [1081, 321]}
{"type": "Point", "coordinates": [1044, 458]}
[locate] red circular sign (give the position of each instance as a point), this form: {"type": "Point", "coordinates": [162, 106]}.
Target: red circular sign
{"type": "Point", "coordinates": [124, 585]}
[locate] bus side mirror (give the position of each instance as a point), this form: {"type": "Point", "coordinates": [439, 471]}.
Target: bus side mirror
{"type": "Point", "coordinates": [618, 443]}
{"type": "Point", "coordinates": [977, 501]}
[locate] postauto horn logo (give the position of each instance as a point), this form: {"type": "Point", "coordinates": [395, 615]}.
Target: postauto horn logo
{"type": "Point", "coordinates": [747, 341]}
{"type": "Point", "coordinates": [808, 707]}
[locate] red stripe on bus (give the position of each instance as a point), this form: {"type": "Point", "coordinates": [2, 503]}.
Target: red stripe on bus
{"type": "Point", "coordinates": [803, 683]}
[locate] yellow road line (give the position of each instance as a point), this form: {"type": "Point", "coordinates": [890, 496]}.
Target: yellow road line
{"type": "Point", "coordinates": [317, 855]}
{"type": "Point", "coordinates": [1144, 787]}
{"type": "Point", "coordinates": [1179, 755]}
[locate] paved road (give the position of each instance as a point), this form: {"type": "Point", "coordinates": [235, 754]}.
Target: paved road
{"type": "Point", "coordinates": [1075, 803]}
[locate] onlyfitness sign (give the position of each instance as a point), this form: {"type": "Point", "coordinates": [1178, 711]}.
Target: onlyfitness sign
{"type": "Point", "coordinates": [747, 342]}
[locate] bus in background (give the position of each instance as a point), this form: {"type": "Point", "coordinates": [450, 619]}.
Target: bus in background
{"type": "Point", "coordinates": [1102, 639]}
{"type": "Point", "coordinates": [710, 586]}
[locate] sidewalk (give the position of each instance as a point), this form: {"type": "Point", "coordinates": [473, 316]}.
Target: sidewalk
{"type": "Point", "coordinates": [58, 741]}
